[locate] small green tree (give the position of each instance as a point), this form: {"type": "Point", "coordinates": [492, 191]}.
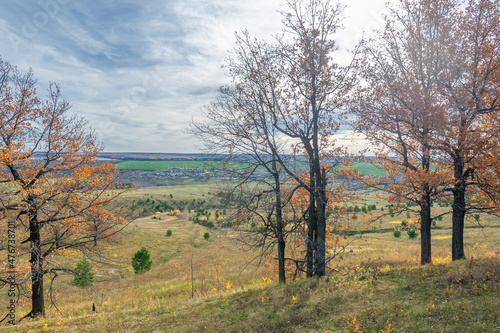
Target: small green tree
{"type": "Point", "coordinates": [169, 233]}
{"type": "Point", "coordinates": [83, 277]}
{"type": "Point", "coordinates": [141, 262]}
{"type": "Point", "coordinates": [206, 235]}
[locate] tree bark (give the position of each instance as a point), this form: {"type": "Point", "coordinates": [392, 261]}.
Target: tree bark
{"type": "Point", "coordinates": [321, 223]}
{"type": "Point", "coordinates": [37, 297]}
{"type": "Point", "coordinates": [279, 226]}
{"type": "Point", "coordinates": [458, 210]}
{"type": "Point", "coordinates": [425, 228]}
{"type": "Point", "coordinates": [311, 236]}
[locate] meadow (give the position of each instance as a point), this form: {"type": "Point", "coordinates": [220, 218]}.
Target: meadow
{"type": "Point", "coordinates": [216, 284]}
{"type": "Point", "coordinates": [363, 167]}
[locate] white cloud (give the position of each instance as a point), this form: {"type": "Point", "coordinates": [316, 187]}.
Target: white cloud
{"type": "Point", "coordinates": [139, 71]}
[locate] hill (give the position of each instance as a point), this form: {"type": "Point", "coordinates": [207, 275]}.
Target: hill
{"type": "Point", "coordinates": [212, 285]}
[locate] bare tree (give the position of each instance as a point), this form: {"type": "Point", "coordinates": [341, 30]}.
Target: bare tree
{"type": "Point", "coordinates": [286, 94]}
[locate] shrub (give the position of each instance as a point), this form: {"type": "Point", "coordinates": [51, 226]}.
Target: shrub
{"type": "Point", "coordinates": [141, 262]}
{"type": "Point", "coordinates": [412, 233]}
{"type": "Point", "coordinates": [206, 235]}
{"type": "Point", "coordinates": [397, 233]}
{"type": "Point", "coordinates": [83, 277]}
{"type": "Point", "coordinates": [477, 217]}
{"type": "Point", "coordinates": [169, 233]}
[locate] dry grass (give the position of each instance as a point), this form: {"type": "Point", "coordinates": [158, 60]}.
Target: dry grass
{"type": "Point", "coordinates": [206, 285]}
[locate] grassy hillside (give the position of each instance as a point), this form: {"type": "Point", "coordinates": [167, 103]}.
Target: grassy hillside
{"type": "Point", "coordinates": [212, 285]}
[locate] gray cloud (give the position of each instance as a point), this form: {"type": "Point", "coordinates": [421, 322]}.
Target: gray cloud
{"type": "Point", "coordinates": [139, 71]}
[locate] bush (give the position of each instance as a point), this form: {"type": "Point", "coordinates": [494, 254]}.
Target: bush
{"type": "Point", "coordinates": [397, 233]}
{"type": "Point", "coordinates": [169, 233]}
{"type": "Point", "coordinates": [141, 262]}
{"type": "Point", "coordinates": [206, 235]}
{"type": "Point", "coordinates": [83, 277]}
{"type": "Point", "coordinates": [412, 233]}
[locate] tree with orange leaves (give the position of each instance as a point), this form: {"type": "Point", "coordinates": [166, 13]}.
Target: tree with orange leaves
{"type": "Point", "coordinates": [432, 83]}
{"type": "Point", "coordinates": [469, 84]}
{"type": "Point", "coordinates": [53, 189]}
{"type": "Point", "coordinates": [398, 109]}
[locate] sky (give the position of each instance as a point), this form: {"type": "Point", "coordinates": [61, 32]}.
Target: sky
{"type": "Point", "coordinates": [140, 71]}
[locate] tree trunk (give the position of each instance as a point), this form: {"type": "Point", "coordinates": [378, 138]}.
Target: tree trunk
{"type": "Point", "coordinates": [311, 235]}
{"type": "Point", "coordinates": [425, 212]}
{"type": "Point", "coordinates": [458, 210]}
{"type": "Point", "coordinates": [281, 258]}
{"type": "Point", "coordinates": [321, 224]}
{"type": "Point", "coordinates": [458, 217]}
{"type": "Point", "coordinates": [425, 228]}
{"type": "Point", "coordinates": [37, 297]}
{"type": "Point", "coordinates": [279, 225]}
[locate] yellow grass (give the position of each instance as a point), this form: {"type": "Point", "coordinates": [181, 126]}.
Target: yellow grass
{"type": "Point", "coordinates": [186, 265]}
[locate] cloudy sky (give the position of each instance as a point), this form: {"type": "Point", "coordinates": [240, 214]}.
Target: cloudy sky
{"type": "Point", "coordinates": [138, 71]}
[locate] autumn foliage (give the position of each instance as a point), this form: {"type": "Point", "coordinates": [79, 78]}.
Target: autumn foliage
{"type": "Point", "coordinates": [53, 188]}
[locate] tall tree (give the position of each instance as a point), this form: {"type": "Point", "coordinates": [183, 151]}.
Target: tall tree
{"type": "Point", "coordinates": [287, 93]}
{"type": "Point", "coordinates": [240, 124]}
{"type": "Point", "coordinates": [470, 86]}
{"type": "Point", "coordinates": [53, 188]}
{"type": "Point", "coordinates": [432, 81]}
{"type": "Point", "coordinates": [313, 90]}
{"type": "Point", "coordinates": [399, 108]}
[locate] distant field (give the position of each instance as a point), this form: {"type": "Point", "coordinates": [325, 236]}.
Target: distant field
{"type": "Point", "coordinates": [158, 165]}
{"type": "Point", "coordinates": [368, 169]}
{"type": "Point", "coordinates": [364, 168]}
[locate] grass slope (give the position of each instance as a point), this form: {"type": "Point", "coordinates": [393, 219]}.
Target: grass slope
{"type": "Point", "coordinates": [199, 285]}
{"type": "Point", "coordinates": [452, 297]}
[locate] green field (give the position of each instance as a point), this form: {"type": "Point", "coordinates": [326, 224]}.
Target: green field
{"type": "Point", "coordinates": [363, 167]}
{"type": "Point", "coordinates": [159, 165]}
